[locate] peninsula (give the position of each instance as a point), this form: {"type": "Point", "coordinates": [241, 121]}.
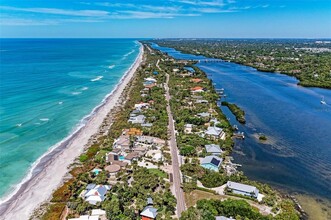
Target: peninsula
{"type": "Point", "coordinates": [161, 154]}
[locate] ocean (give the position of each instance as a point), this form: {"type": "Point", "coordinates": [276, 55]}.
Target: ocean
{"type": "Point", "coordinates": [296, 158]}
{"type": "Point", "coordinates": [47, 88]}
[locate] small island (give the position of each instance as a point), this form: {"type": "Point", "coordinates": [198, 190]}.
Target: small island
{"type": "Point", "coordinates": [262, 137]}
{"type": "Point", "coordinates": [237, 111]}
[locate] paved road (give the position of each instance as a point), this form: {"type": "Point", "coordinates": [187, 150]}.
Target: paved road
{"type": "Point", "coordinates": [174, 154]}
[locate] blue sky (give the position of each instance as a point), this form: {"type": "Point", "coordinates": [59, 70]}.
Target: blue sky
{"type": "Point", "coordinates": [166, 18]}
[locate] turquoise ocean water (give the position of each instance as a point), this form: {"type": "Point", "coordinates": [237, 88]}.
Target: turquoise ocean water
{"type": "Point", "coordinates": [47, 87]}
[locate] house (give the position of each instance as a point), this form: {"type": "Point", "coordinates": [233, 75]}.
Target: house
{"type": "Point", "coordinates": [123, 142]}
{"type": "Point", "coordinates": [203, 114]}
{"type": "Point", "coordinates": [114, 157]}
{"type": "Point", "coordinates": [140, 119]}
{"type": "Point", "coordinates": [148, 213]}
{"type": "Point", "coordinates": [96, 193]}
{"type": "Point", "coordinates": [147, 125]}
{"type": "Point", "coordinates": [197, 89]}
{"type": "Point", "coordinates": [149, 86]}
{"type": "Point", "coordinates": [215, 133]}
{"type": "Point", "coordinates": [223, 218]}
{"type": "Point", "coordinates": [132, 131]}
{"type": "Point", "coordinates": [150, 140]}
{"type": "Point", "coordinates": [140, 106]}
{"type": "Point", "coordinates": [213, 149]}
{"type": "Point", "coordinates": [156, 155]}
{"type": "Point", "coordinates": [150, 79]}
{"type": "Point", "coordinates": [131, 157]}
{"type": "Point", "coordinates": [196, 80]}
{"type": "Point", "coordinates": [113, 169]}
{"type": "Point", "coordinates": [211, 162]}
{"type": "Point", "coordinates": [243, 189]}
{"type": "Point", "coordinates": [201, 101]}
{"type": "Point", "coordinates": [188, 128]}
{"type": "Point", "coordinates": [215, 121]}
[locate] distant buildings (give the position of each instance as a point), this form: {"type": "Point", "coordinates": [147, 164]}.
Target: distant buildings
{"type": "Point", "coordinates": [243, 189]}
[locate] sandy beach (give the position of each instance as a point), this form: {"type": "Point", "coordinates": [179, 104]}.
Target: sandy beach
{"type": "Point", "coordinates": [50, 170]}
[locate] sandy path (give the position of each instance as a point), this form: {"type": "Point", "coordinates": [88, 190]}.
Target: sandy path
{"type": "Point", "coordinates": [54, 166]}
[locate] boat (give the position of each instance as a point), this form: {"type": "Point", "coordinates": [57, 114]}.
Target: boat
{"type": "Point", "coordinates": [235, 127]}
{"type": "Point", "coordinates": [323, 101]}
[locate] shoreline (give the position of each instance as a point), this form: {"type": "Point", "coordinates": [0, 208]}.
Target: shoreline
{"type": "Point", "coordinates": [35, 188]}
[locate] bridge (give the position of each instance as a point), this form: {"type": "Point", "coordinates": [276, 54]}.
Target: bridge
{"type": "Point", "coordinates": [211, 61]}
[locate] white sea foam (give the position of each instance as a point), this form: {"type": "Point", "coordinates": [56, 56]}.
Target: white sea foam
{"type": "Point", "coordinates": [85, 88]}
{"type": "Point", "coordinates": [60, 103]}
{"type": "Point", "coordinates": [76, 93]}
{"type": "Point", "coordinates": [111, 66]}
{"type": "Point", "coordinates": [126, 55]}
{"type": "Point", "coordinates": [97, 78]}
{"type": "Point", "coordinates": [19, 125]}
{"type": "Point", "coordinates": [44, 119]}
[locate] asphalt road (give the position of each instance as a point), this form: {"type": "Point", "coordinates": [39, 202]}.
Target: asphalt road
{"type": "Point", "coordinates": [179, 194]}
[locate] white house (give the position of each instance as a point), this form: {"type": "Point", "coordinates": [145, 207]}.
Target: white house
{"type": "Point", "coordinates": [140, 119]}
{"type": "Point", "coordinates": [150, 79]}
{"type": "Point", "coordinates": [215, 133]}
{"type": "Point", "coordinates": [243, 189]}
{"type": "Point", "coordinates": [141, 105]}
{"type": "Point", "coordinates": [96, 193]}
{"type": "Point", "coordinates": [149, 212]}
{"type": "Point", "coordinates": [213, 149]}
{"type": "Point", "coordinates": [203, 114]}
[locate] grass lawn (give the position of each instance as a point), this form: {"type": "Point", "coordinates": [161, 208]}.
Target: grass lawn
{"type": "Point", "coordinates": [158, 172]}
{"type": "Point", "coordinates": [101, 154]}
{"type": "Point", "coordinates": [192, 197]}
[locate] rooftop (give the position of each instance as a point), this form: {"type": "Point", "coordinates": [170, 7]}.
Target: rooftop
{"type": "Point", "coordinates": [214, 160]}
{"type": "Point", "coordinates": [149, 212]}
{"type": "Point", "coordinates": [241, 187]}
{"type": "Point", "coordinates": [114, 168]}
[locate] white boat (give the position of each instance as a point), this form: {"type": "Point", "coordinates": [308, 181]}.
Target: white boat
{"type": "Point", "coordinates": [323, 101]}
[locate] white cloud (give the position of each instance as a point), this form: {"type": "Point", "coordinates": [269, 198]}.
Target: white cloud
{"type": "Point", "coordinates": [128, 14]}
{"type": "Point", "coordinates": [203, 3]}
{"type": "Point", "coordinates": [56, 11]}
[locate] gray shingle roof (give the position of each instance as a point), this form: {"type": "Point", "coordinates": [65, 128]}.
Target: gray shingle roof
{"type": "Point", "coordinates": [213, 148]}
{"type": "Point", "coordinates": [149, 211]}
{"type": "Point", "coordinates": [214, 131]}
